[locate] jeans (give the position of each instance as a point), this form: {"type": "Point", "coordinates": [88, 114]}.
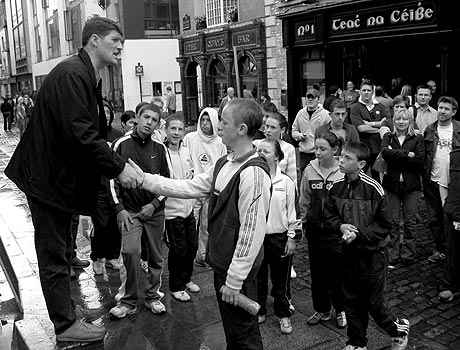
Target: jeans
{"type": "Point", "coordinates": [437, 216]}
{"type": "Point", "coordinates": [201, 216]}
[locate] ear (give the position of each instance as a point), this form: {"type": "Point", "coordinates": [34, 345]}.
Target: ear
{"type": "Point", "coordinates": [243, 129]}
{"type": "Point", "coordinates": [362, 164]}
{"type": "Point", "coordinates": [94, 40]}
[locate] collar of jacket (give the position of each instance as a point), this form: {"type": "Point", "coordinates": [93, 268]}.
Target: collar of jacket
{"type": "Point", "coordinates": [136, 137]}
{"type": "Point", "coordinates": [431, 131]}
{"type": "Point", "coordinates": [87, 61]}
{"type": "Point", "coordinates": [353, 181]}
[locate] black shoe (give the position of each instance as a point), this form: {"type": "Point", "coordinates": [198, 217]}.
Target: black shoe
{"type": "Point", "coordinates": [79, 264]}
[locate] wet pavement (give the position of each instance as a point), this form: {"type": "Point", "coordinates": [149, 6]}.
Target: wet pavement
{"type": "Point", "coordinates": [412, 292]}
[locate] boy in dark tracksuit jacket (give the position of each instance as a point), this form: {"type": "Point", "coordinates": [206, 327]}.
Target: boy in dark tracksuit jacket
{"type": "Point", "coordinates": [356, 206]}
{"type": "Point", "coordinates": [140, 212]}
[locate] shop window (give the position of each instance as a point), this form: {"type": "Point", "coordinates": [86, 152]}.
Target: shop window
{"type": "Point", "coordinates": [218, 81]}
{"type": "Point", "coordinates": [52, 26]}
{"type": "Point", "coordinates": [313, 73]}
{"type": "Point", "coordinates": [157, 89]}
{"type": "Point", "coordinates": [221, 11]}
{"type": "Point", "coordinates": [248, 76]}
{"type": "Point", "coordinates": [72, 19]}
{"type": "Point", "coordinates": [161, 17]}
{"type": "Point", "coordinates": [18, 30]}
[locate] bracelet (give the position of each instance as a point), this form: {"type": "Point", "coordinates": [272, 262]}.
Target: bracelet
{"type": "Point", "coordinates": [142, 182]}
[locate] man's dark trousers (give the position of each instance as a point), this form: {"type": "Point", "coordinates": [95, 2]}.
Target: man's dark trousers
{"type": "Point", "coordinates": [53, 244]}
{"type": "Point", "coordinates": [438, 218]}
{"type": "Point", "coordinates": [364, 286]}
{"type": "Point", "coordinates": [241, 328]}
{"type": "Point", "coordinates": [183, 244]}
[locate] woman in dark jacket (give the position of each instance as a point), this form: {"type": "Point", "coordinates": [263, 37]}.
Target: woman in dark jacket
{"type": "Point", "coordinates": [403, 150]}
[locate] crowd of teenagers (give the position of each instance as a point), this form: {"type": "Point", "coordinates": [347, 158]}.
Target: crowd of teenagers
{"type": "Point", "coordinates": [232, 195]}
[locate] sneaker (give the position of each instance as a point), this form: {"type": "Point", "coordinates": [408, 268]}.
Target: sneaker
{"type": "Point", "coordinates": [341, 319]}
{"type": "Point", "coordinates": [261, 319]}
{"type": "Point", "coordinates": [160, 294]}
{"type": "Point", "coordinates": [98, 266]}
{"type": "Point", "coordinates": [291, 306]}
{"type": "Point", "coordinates": [156, 306]}
{"type": "Point", "coordinates": [113, 264]}
{"type": "Point", "coordinates": [446, 296]}
{"type": "Point", "coordinates": [81, 331]}
{"type": "Point", "coordinates": [437, 257]}
{"type": "Point", "coordinates": [145, 266]}
{"type": "Point", "coordinates": [400, 342]}
{"type": "Point", "coordinates": [79, 264]}
{"type": "Point", "coordinates": [293, 273]}
{"type": "Point", "coordinates": [352, 347]}
{"type": "Point", "coordinates": [285, 325]}
{"type": "Point", "coordinates": [193, 287]}
{"type": "Point", "coordinates": [318, 317]}
{"type": "Point", "coordinates": [122, 310]}
{"type": "Point", "coordinates": [181, 296]}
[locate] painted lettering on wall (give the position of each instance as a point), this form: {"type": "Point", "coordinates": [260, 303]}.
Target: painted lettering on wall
{"type": "Point", "coordinates": [412, 14]}
{"type": "Point", "coordinates": [245, 38]}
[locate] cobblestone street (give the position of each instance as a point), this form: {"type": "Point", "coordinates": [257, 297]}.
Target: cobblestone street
{"type": "Point", "coordinates": [412, 292]}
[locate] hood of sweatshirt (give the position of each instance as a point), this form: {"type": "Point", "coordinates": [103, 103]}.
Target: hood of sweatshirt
{"type": "Point", "coordinates": [315, 166]}
{"type": "Point", "coordinates": [213, 116]}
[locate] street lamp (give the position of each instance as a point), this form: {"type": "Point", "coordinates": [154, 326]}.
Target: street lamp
{"type": "Point", "coordinates": [139, 70]}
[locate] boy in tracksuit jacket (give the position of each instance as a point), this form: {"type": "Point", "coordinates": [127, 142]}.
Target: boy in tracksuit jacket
{"type": "Point", "coordinates": [238, 187]}
{"type": "Point", "coordinates": [206, 147]}
{"type": "Point", "coordinates": [356, 207]}
{"type": "Point", "coordinates": [139, 211]}
{"type": "Point", "coordinates": [180, 222]}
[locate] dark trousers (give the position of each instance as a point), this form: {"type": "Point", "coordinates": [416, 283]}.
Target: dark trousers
{"type": "Point", "coordinates": [241, 328]}
{"type": "Point", "coordinates": [106, 241]}
{"type": "Point", "coordinates": [53, 245]}
{"type": "Point", "coordinates": [403, 247]}
{"type": "Point", "coordinates": [74, 222]}
{"type": "Point", "coordinates": [280, 273]}
{"type": "Point", "coordinates": [326, 263]}
{"type": "Point", "coordinates": [437, 216]}
{"type": "Point", "coordinates": [7, 121]}
{"type": "Point", "coordinates": [364, 286]}
{"type": "Point", "coordinates": [453, 259]}
{"type": "Point", "coordinates": [305, 158]}
{"type": "Point", "coordinates": [183, 244]}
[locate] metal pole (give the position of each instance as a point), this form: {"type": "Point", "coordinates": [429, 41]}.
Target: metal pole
{"type": "Point", "coordinates": [140, 87]}
{"type": "Point", "coordinates": [237, 73]}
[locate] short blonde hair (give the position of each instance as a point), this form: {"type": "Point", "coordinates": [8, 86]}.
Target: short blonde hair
{"type": "Point", "coordinates": [405, 113]}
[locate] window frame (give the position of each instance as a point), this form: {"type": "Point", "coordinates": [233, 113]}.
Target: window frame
{"type": "Point", "coordinates": [216, 11]}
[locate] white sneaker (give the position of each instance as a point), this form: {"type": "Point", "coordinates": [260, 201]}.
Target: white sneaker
{"type": "Point", "coordinates": [121, 311]}
{"type": "Point", "coordinates": [181, 296]}
{"type": "Point", "coordinates": [160, 294]}
{"type": "Point", "coordinates": [156, 306]}
{"type": "Point", "coordinates": [193, 287]}
{"type": "Point", "coordinates": [98, 266]}
{"type": "Point", "coordinates": [285, 325]}
{"type": "Point", "coordinates": [144, 266]}
{"type": "Point", "coordinates": [400, 343]}
{"type": "Point", "coordinates": [293, 273]}
{"type": "Point", "coordinates": [113, 264]}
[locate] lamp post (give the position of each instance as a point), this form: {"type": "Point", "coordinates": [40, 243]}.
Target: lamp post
{"type": "Point", "coordinates": [139, 70]}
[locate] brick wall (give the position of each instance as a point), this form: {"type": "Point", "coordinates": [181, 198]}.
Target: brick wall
{"type": "Point", "coordinates": [276, 54]}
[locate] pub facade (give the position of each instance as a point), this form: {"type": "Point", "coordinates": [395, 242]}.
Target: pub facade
{"type": "Point", "coordinates": [392, 43]}
{"type": "Point", "coordinates": [206, 61]}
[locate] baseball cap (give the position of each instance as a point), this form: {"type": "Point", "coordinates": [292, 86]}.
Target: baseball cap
{"type": "Point", "coordinates": [312, 93]}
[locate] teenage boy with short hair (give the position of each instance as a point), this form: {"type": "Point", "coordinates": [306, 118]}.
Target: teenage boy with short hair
{"type": "Point", "coordinates": [238, 187]}
{"type": "Point", "coordinates": [424, 115]}
{"type": "Point", "coordinates": [180, 222]}
{"type": "Point", "coordinates": [356, 207]}
{"type": "Point", "coordinates": [140, 213]}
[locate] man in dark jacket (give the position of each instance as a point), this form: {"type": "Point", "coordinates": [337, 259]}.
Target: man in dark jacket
{"type": "Point", "coordinates": [58, 164]}
{"type": "Point", "coordinates": [7, 110]}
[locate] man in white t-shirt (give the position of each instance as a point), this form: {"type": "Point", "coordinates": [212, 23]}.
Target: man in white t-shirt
{"type": "Point", "coordinates": [441, 138]}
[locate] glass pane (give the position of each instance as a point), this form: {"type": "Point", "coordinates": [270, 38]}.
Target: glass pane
{"type": "Point", "coordinates": [22, 42]}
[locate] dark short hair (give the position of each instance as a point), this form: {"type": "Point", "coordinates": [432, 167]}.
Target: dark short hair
{"type": "Point", "coordinates": [360, 149]}
{"type": "Point", "coordinates": [338, 103]}
{"type": "Point", "coordinates": [423, 86]}
{"type": "Point", "coordinates": [379, 90]}
{"type": "Point", "coordinates": [331, 138]}
{"type": "Point", "coordinates": [401, 99]}
{"type": "Point", "coordinates": [269, 107]}
{"type": "Point", "coordinates": [449, 99]}
{"type": "Point", "coordinates": [282, 121]}
{"type": "Point", "coordinates": [148, 107]}
{"type": "Point", "coordinates": [332, 89]}
{"type": "Point", "coordinates": [174, 117]}
{"type": "Point", "coordinates": [100, 26]}
{"type": "Point", "coordinates": [277, 147]}
{"type": "Point", "coordinates": [248, 112]}
{"type": "Point", "coordinates": [366, 82]}
{"type": "Point", "coordinates": [127, 115]}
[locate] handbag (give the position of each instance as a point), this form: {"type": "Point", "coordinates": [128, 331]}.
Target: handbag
{"type": "Point", "coordinates": [380, 165]}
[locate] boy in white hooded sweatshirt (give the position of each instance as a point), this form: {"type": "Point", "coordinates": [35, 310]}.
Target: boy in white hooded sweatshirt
{"type": "Point", "coordinates": [205, 148]}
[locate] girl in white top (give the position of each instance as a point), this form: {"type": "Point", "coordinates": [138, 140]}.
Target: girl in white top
{"type": "Point", "coordinates": [275, 126]}
{"type": "Point", "coordinates": [279, 242]}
